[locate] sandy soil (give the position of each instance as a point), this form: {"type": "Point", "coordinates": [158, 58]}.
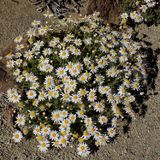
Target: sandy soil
{"type": "Point", "coordinates": [141, 142]}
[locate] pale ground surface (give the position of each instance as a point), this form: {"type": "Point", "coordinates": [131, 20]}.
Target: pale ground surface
{"type": "Point", "coordinates": [142, 142]}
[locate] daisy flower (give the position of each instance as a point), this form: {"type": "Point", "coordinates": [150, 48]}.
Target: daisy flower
{"type": "Point", "coordinates": [19, 79]}
{"type": "Point", "coordinates": [80, 113]}
{"type": "Point", "coordinates": [20, 120]}
{"type": "Point", "coordinates": [54, 42]}
{"type": "Point", "coordinates": [31, 94]}
{"type": "Point", "coordinates": [74, 72]}
{"type": "Point", "coordinates": [53, 93]}
{"type": "Point", "coordinates": [33, 78]}
{"type": "Point", "coordinates": [34, 86]}
{"type": "Point", "coordinates": [64, 113]}
{"type": "Point", "coordinates": [127, 83]}
{"type": "Point", "coordinates": [16, 98]}
{"type": "Point", "coordinates": [18, 39]}
{"type": "Point", "coordinates": [37, 130]}
{"type": "Point", "coordinates": [69, 66]}
{"type": "Point", "coordinates": [83, 78]}
{"type": "Point", "coordinates": [19, 47]}
{"type": "Point", "coordinates": [63, 141]}
{"type": "Point", "coordinates": [124, 15]}
{"type": "Point", "coordinates": [77, 42]}
{"type": "Point", "coordinates": [88, 121]}
{"type": "Point", "coordinates": [86, 135]}
{"type": "Point", "coordinates": [32, 114]}
{"type": "Point", "coordinates": [82, 92]}
{"type": "Point", "coordinates": [72, 84]}
{"type": "Point", "coordinates": [83, 150]}
{"type": "Point", "coordinates": [17, 136]}
{"type": "Point", "coordinates": [45, 130]}
{"type": "Point", "coordinates": [71, 48]}
{"type": "Point", "coordinates": [92, 95]}
{"type": "Point", "coordinates": [93, 68]}
{"type": "Point", "coordinates": [68, 89]}
{"type": "Point", "coordinates": [43, 145]}
{"type": "Point", "coordinates": [69, 37]}
{"type": "Point", "coordinates": [88, 41]}
{"type": "Point", "coordinates": [75, 98]}
{"type": "Point", "coordinates": [112, 72]}
{"type": "Point", "coordinates": [18, 62]}
{"type": "Point", "coordinates": [103, 48]}
{"type": "Point", "coordinates": [38, 44]}
{"type": "Point", "coordinates": [111, 132]}
{"type": "Point", "coordinates": [66, 122]}
{"type": "Point", "coordinates": [56, 144]}
{"type": "Point", "coordinates": [64, 54]}
{"type": "Point", "coordinates": [42, 30]}
{"type": "Point", "coordinates": [31, 32]}
{"type": "Point", "coordinates": [10, 64]}
{"type": "Point", "coordinates": [28, 55]}
{"type": "Point", "coordinates": [11, 92]}
{"type": "Point", "coordinates": [99, 79]}
{"type": "Point", "coordinates": [49, 82]}
{"type": "Point", "coordinates": [42, 96]}
{"type": "Point", "coordinates": [97, 135]}
{"type": "Point", "coordinates": [16, 72]}
{"type": "Point", "coordinates": [110, 98]}
{"type": "Point", "coordinates": [47, 51]}
{"type": "Point", "coordinates": [56, 116]}
{"type": "Point", "coordinates": [99, 107]}
{"type": "Point", "coordinates": [122, 90]}
{"type": "Point", "coordinates": [102, 120]}
{"type": "Point", "coordinates": [72, 118]}
{"type": "Point", "coordinates": [54, 135]}
{"type": "Point", "coordinates": [61, 72]}
{"type": "Point", "coordinates": [135, 86]}
{"type": "Point", "coordinates": [92, 129]}
{"type": "Point", "coordinates": [87, 61]}
{"type": "Point", "coordinates": [76, 52]}
{"type": "Point", "coordinates": [36, 23]}
{"type": "Point", "coordinates": [66, 97]}
{"type": "Point", "coordinates": [66, 79]}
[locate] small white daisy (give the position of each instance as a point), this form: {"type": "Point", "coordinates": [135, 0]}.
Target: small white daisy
{"type": "Point", "coordinates": [102, 120]}
{"type": "Point", "coordinates": [56, 116]}
{"type": "Point", "coordinates": [61, 72]}
{"type": "Point", "coordinates": [64, 54]}
{"type": "Point", "coordinates": [20, 120]}
{"type": "Point", "coordinates": [31, 94]}
{"type": "Point", "coordinates": [54, 135]}
{"type": "Point", "coordinates": [17, 136]}
{"type": "Point", "coordinates": [75, 98]}
{"type": "Point", "coordinates": [18, 39]}
{"type": "Point", "coordinates": [45, 130]}
{"type": "Point", "coordinates": [83, 150]}
{"type": "Point", "coordinates": [99, 107]}
{"type": "Point", "coordinates": [111, 132]}
{"type": "Point", "coordinates": [37, 130]}
{"type": "Point", "coordinates": [42, 96]}
{"type": "Point", "coordinates": [43, 145]}
{"type": "Point", "coordinates": [63, 141]}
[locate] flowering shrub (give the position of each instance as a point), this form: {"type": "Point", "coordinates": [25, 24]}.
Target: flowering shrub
{"type": "Point", "coordinates": [147, 11]}
{"type": "Point", "coordinates": [75, 84]}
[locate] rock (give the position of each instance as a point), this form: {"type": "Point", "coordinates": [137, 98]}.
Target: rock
{"type": "Point", "coordinates": [109, 9]}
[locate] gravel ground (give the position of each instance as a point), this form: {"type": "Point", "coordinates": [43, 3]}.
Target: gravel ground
{"type": "Point", "coordinates": [141, 142]}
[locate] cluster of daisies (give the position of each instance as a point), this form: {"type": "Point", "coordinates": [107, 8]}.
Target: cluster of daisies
{"type": "Point", "coordinates": [141, 8]}
{"type": "Point", "coordinates": [75, 85]}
